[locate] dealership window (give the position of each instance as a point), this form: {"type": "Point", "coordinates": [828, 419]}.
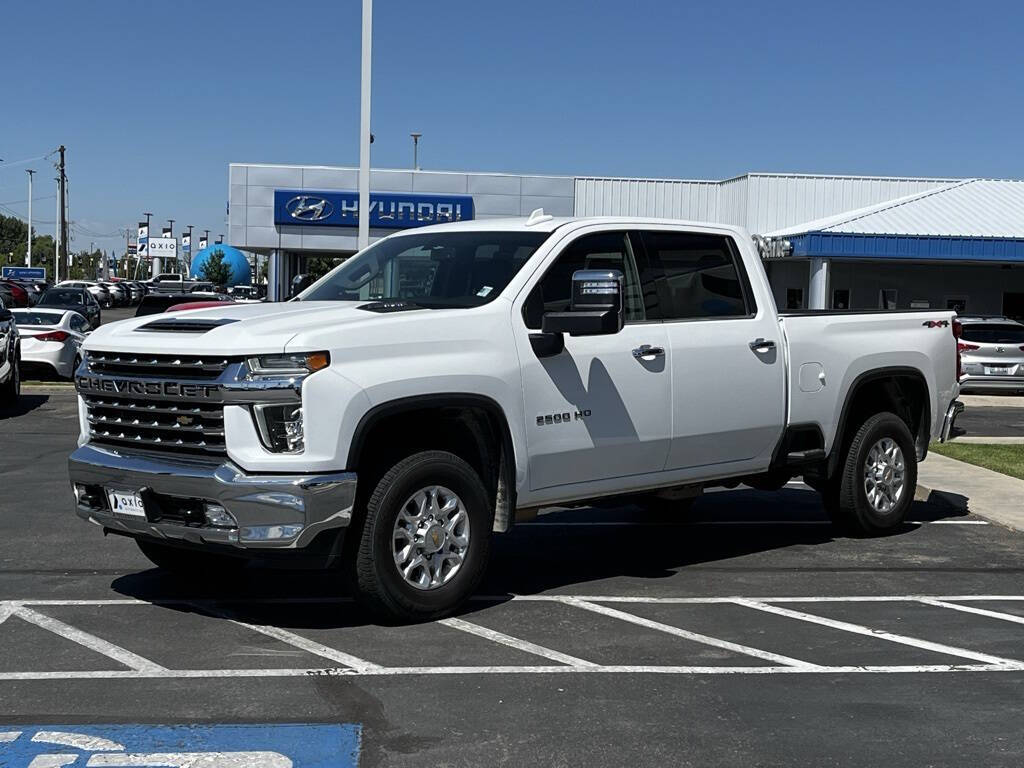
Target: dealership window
{"type": "Point", "coordinates": [697, 275]}
{"type": "Point", "coordinates": [603, 250]}
{"type": "Point", "coordinates": [794, 298]}
{"type": "Point", "coordinates": [887, 298]}
{"type": "Point", "coordinates": [841, 298]}
{"type": "Point", "coordinates": [957, 303]}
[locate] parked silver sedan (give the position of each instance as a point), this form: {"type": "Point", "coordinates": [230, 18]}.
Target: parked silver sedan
{"type": "Point", "coordinates": [51, 339]}
{"type": "Point", "coordinates": [992, 354]}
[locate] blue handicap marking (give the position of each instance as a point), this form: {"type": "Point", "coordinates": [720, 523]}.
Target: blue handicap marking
{"type": "Point", "coordinates": [273, 745]}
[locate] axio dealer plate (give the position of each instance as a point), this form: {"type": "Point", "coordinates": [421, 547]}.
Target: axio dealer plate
{"type": "Point", "coordinates": [126, 503]}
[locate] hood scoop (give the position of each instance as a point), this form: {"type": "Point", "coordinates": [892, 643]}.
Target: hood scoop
{"type": "Point", "coordinates": [184, 325]}
{"type": "Point", "coordinates": [395, 305]}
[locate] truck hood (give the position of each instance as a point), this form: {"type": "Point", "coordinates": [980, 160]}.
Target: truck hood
{"type": "Point", "coordinates": [250, 328]}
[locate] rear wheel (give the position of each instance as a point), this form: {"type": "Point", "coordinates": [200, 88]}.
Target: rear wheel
{"type": "Point", "coordinates": [877, 480]}
{"type": "Point", "coordinates": [421, 545]}
{"type": "Point", "coordinates": [189, 563]}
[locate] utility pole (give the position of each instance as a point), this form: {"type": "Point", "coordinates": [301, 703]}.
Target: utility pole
{"type": "Point", "coordinates": [170, 233]}
{"type": "Point", "coordinates": [56, 234]}
{"type": "Point", "coordinates": [364, 128]}
{"type": "Point", "coordinates": [62, 196]}
{"type": "Point", "coordinates": [127, 247]}
{"type": "Point", "coordinates": [28, 262]}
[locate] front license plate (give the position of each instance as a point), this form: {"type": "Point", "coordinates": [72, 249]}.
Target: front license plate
{"type": "Point", "coordinates": [997, 370]}
{"type": "Point", "coordinates": [126, 503]}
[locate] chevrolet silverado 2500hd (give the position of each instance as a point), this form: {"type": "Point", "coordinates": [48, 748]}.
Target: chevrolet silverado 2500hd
{"type": "Point", "coordinates": [450, 378]}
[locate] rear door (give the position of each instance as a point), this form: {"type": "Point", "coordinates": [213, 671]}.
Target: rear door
{"type": "Point", "coordinates": [595, 411]}
{"type": "Point", "coordinates": [728, 371]}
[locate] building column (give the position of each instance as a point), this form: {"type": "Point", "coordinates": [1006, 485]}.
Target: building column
{"type": "Point", "coordinates": [275, 289]}
{"type": "Point", "coordinates": [817, 293]}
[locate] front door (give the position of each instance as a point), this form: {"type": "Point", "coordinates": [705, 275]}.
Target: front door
{"type": "Point", "coordinates": [595, 411]}
{"type": "Point", "coordinates": [728, 371]}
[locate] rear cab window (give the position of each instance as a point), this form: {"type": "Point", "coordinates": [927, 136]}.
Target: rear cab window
{"type": "Point", "coordinates": [993, 333]}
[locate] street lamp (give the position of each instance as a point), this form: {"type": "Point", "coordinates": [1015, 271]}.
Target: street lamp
{"type": "Point", "coordinates": [30, 173]}
{"type": "Point", "coordinates": [415, 150]}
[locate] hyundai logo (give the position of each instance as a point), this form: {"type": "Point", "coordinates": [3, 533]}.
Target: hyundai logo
{"type": "Point", "coordinates": [309, 208]}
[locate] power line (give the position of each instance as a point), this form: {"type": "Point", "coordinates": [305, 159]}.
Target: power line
{"type": "Point", "coordinates": [34, 200]}
{"type": "Point", "coordinates": [26, 160]}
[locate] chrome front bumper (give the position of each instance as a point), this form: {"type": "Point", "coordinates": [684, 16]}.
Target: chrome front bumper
{"type": "Point", "coordinates": [264, 506]}
{"type": "Point", "coordinates": [954, 410]}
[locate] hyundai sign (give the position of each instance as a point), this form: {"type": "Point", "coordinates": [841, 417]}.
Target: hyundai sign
{"type": "Point", "coordinates": [388, 210]}
{"type": "Point", "coordinates": [24, 273]}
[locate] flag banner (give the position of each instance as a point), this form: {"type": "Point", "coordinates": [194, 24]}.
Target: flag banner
{"type": "Point", "coordinates": [186, 242]}
{"type": "Point", "coordinates": [203, 242]}
{"type": "Point", "coordinates": [143, 239]}
{"type": "Point", "coordinates": [166, 231]}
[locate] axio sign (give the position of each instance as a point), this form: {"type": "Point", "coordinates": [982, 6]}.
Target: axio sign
{"type": "Point", "coordinates": [388, 210]}
{"type": "Point", "coordinates": [292, 745]}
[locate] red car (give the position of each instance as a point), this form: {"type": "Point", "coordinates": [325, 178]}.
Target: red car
{"type": "Point", "coordinates": [13, 294]}
{"type": "Point", "coordinates": [197, 305]}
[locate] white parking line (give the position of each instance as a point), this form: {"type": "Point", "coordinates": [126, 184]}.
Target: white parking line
{"type": "Point", "coordinates": [502, 670]}
{"type": "Point", "coordinates": [297, 641]}
{"type": "Point", "coordinates": [93, 643]}
{"type": "Point", "coordinates": [846, 626]}
{"type": "Point", "coordinates": [515, 642]}
{"type": "Point", "coordinates": [686, 524]}
{"type": "Point", "coordinates": [686, 634]}
{"type": "Point", "coordinates": [971, 609]}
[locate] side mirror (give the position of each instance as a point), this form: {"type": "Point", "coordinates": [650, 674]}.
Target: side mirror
{"type": "Point", "coordinates": [596, 306]}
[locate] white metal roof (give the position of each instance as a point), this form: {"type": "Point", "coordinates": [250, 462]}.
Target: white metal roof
{"type": "Point", "coordinates": [967, 208]}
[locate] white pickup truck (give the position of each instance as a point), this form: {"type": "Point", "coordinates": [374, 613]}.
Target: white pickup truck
{"type": "Point", "coordinates": [452, 379]}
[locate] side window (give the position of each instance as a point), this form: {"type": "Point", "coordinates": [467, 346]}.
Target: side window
{"type": "Point", "coordinates": [602, 250]}
{"type": "Point", "coordinates": [78, 323]}
{"type": "Point", "coordinates": [698, 275]}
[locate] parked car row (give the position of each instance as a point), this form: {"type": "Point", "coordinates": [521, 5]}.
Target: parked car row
{"type": "Point", "coordinates": [121, 293]}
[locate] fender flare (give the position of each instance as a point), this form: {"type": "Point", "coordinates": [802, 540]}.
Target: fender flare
{"type": "Point", "coordinates": [505, 505]}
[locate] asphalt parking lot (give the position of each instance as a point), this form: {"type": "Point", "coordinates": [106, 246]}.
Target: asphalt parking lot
{"type": "Point", "coordinates": [743, 633]}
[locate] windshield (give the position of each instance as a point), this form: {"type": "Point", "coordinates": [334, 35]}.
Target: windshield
{"type": "Point", "coordinates": [990, 333]}
{"type": "Point", "coordinates": [36, 318]}
{"type": "Point", "coordinates": [69, 296]}
{"type": "Point", "coordinates": [430, 269]}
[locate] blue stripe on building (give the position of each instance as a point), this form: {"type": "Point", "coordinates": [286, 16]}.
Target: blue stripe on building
{"type": "Point", "coordinates": [840, 245]}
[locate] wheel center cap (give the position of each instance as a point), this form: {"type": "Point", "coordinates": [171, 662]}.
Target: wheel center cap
{"type": "Point", "coordinates": [433, 538]}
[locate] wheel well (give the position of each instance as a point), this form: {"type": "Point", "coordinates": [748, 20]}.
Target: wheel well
{"type": "Point", "coordinates": [902, 392]}
{"type": "Point", "coordinates": [471, 427]}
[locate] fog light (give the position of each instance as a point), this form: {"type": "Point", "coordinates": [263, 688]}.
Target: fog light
{"type": "Point", "coordinates": [270, 532]}
{"type": "Point", "coordinates": [218, 517]}
{"type": "Point", "coordinates": [81, 492]}
{"type": "Point", "coordinates": [280, 427]}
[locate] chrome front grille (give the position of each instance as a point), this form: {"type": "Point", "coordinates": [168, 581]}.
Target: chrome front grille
{"type": "Point", "coordinates": [164, 425]}
{"type": "Point", "coordinates": [170, 366]}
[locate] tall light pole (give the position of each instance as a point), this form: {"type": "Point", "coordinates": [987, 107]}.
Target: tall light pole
{"type": "Point", "coordinates": [364, 128]}
{"type": "Point", "coordinates": [149, 236]}
{"type": "Point", "coordinates": [188, 267]}
{"type": "Point", "coordinates": [415, 150]}
{"type": "Point", "coordinates": [170, 232]}
{"type": "Point", "coordinates": [30, 173]}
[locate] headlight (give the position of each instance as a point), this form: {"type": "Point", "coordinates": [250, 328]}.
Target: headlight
{"type": "Point", "coordinates": [286, 366]}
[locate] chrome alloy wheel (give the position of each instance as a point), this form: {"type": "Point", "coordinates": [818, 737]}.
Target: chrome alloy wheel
{"type": "Point", "coordinates": [884, 475]}
{"type": "Point", "coordinates": [431, 537]}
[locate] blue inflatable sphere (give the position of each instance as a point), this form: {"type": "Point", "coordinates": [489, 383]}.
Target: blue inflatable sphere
{"type": "Point", "coordinates": [234, 258]}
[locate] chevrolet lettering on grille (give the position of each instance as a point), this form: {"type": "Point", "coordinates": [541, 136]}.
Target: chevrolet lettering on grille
{"type": "Point", "coordinates": [192, 391]}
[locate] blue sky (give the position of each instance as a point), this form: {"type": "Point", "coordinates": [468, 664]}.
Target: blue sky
{"type": "Point", "coordinates": [154, 99]}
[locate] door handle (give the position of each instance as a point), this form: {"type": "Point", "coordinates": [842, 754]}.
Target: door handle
{"type": "Point", "coordinates": [762, 345]}
{"type": "Point", "coordinates": [646, 350]}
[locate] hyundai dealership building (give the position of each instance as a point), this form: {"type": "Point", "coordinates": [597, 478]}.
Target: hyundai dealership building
{"type": "Point", "coordinates": [861, 242]}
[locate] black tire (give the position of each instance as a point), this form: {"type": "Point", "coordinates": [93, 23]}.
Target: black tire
{"type": "Point", "coordinates": [189, 563]}
{"type": "Point", "coordinates": [10, 390]}
{"type": "Point", "coordinates": [375, 577]}
{"type": "Point", "coordinates": [845, 495]}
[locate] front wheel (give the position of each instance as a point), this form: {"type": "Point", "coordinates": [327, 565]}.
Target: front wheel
{"type": "Point", "coordinates": [421, 545]}
{"type": "Point", "coordinates": [878, 478]}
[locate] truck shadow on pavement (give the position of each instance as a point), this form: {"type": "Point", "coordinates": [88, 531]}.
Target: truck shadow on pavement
{"type": "Point", "coordinates": [563, 549]}
{"type": "Point", "coordinates": [25, 404]}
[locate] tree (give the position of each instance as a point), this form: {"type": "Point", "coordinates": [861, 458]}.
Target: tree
{"type": "Point", "coordinates": [215, 270]}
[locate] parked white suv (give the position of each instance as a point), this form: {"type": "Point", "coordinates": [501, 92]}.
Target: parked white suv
{"type": "Point", "coordinates": [451, 379]}
{"type": "Point", "coordinates": [992, 350]}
